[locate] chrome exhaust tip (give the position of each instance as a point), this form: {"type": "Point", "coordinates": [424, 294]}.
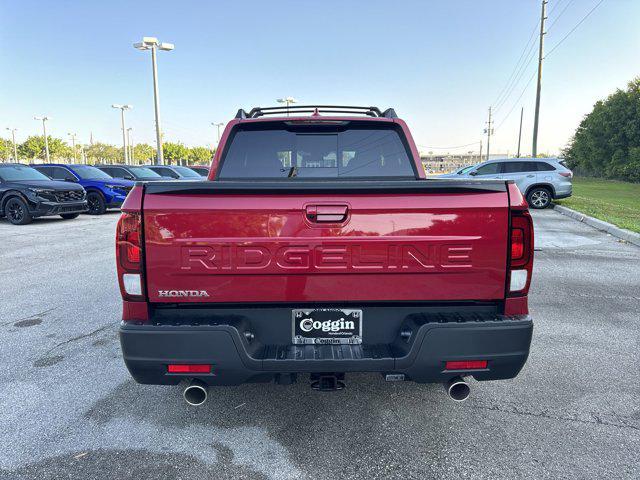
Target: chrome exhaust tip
{"type": "Point", "coordinates": [196, 392]}
{"type": "Point", "coordinates": [457, 389]}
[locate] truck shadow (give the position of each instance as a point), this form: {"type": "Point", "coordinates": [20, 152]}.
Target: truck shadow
{"type": "Point", "coordinates": [369, 422]}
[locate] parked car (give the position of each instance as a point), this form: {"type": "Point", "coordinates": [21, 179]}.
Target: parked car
{"type": "Point", "coordinates": [26, 194]}
{"type": "Point", "coordinates": [175, 172]}
{"type": "Point", "coordinates": [201, 170]}
{"type": "Point", "coordinates": [137, 173]}
{"type": "Point", "coordinates": [103, 191]}
{"type": "Point", "coordinates": [321, 248]}
{"type": "Point", "coordinates": [540, 180]}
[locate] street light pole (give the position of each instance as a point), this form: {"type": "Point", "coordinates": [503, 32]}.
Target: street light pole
{"type": "Point", "coordinates": [288, 101]}
{"type": "Point", "coordinates": [124, 130]}
{"type": "Point", "coordinates": [217, 125]}
{"type": "Point", "coordinates": [151, 43]}
{"type": "Point", "coordinates": [46, 141]}
{"type": "Point", "coordinates": [73, 145]}
{"type": "Point", "coordinates": [13, 138]}
{"type": "Point", "coordinates": [131, 159]}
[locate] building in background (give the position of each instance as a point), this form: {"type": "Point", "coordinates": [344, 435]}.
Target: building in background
{"type": "Point", "coordinates": [436, 163]}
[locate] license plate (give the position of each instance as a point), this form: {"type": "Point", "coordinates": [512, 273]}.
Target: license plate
{"type": "Point", "coordinates": [327, 326]}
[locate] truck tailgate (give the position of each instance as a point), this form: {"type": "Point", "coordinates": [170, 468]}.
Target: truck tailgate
{"type": "Point", "coordinates": [349, 245]}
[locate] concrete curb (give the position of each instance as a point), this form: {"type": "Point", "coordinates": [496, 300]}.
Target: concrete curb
{"type": "Point", "coordinates": [626, 235]}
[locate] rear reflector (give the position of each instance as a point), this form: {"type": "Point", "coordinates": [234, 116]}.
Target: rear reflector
{"type": "Point", "coordinates": [131, 283]}
{"type": "Point", "coordinates": [518, 280]}
{"type": "Point", "coordinates": [188, 368]}
{"type": "Point", "coordinates": [466, 365]}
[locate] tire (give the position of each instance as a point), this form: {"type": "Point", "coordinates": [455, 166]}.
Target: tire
{"type": "Point", "coordinates": [96, 204]}
{"type": "Point", "coordinates": [69, 216]}
{"type": "Point", "coordinates": [539, 197]}
{"type": "Point", "coordinates": [17, 212]}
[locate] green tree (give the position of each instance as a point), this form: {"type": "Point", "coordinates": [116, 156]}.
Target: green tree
{"type": "Point", "coordinates": [174, 152]}
{"type": "Point", "coordinates": [200, 155]}
{"type": "Point", "coordinates": [6, 149]}
{"type": "Point", "coordinates": [607, 141]}
{"type": "Point", "coordinates": [144, 153]}
{"type": "Point", "coordinates": [103, 153]}
{"type": "Point", "coordinates": [33, 147]}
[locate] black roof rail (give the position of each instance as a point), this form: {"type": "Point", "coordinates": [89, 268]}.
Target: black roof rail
{"type": "Point", "coordinates": [348, 109]}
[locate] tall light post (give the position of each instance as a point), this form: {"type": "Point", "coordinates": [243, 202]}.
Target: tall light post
{"type": "Point", "coordinates": [44, 129]}
{"type": "Point", "coordinates": [151, 43]}
{"type": "Point", "coordinates": [13, 138]}
{"type": "Point", "coordinates": [122, 108]}
{"type": "Point", "coordinates": [73, 146]}
{"type": "Point", "coordinates": [288, 101]}
{"type": "Point", "coordinates": [130, 145]}
{"type": "Point", "coordinates": [218, 125]}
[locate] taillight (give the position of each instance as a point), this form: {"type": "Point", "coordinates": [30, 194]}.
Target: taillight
{"type": "Point", "coordinates": [129, 255]}
{"type": "Point", "coordinates": [128, 241]}
{"type": "Point", "coordinates": [521, 252]}
{"type": "Point", "coordinates": [566, 174]}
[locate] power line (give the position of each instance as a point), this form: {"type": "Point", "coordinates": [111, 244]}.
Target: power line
{"type": "Point", "coordinates": [515, 68]}
{"type": "Point", "coordinates": [574, 28]}
{"type": "Point", "coordinates": [532, 55]}
{"type": "Point", "coordinates": [520, 68]}
{"type": "Point", "coordinates": [559, 15]}
{"type": "Point", "coordinates": [517, 100]}
{"type": "Point", "coordinates": [557, 4]}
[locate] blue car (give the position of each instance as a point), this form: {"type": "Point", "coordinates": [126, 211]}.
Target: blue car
{"type": "Point", "coordinates": [103, 191]}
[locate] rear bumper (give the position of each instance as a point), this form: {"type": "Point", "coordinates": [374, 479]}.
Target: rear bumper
{"type": "Point", "coordinates": [560, 195]}
{"type": "Point", "coordinates": [563, 190]}
{"type": "Point", "coordinates": [43, 209]}
{"type": "Point", "coordinates": [422, 345]}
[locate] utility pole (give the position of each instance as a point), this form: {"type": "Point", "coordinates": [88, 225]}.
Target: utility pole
{"type": "Point", "coordinates": [73, 146]}
{"type": "Point", "coordinates": [520, 132]}
{"type": "Point", "coordinates": [480, 155]}
{"type": "Point", "coordinates": [46, 140]}
{"type": "Point", "coordinates": [543, 17]}
{"type": "Point", "coordinates": [489, 132]}
{"type": "Point", "coordinates": [13, 138]}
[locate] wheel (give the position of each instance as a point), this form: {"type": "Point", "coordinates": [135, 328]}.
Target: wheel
{"type": "Point", "coordinates": [539, 197]}
{"type": "Point", "coordinates": [69, 216]}
{"type": "Point", "coordinates": [95, 202]}
{"type": "Point", "coordinates": [17, 212]}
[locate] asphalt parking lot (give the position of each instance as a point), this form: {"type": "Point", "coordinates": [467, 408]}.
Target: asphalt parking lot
{"type": "Point", "coordinates": [70, 410]}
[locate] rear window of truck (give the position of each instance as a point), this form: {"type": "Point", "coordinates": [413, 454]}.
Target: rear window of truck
{"type": "Point", "coordinates": [291, 152]}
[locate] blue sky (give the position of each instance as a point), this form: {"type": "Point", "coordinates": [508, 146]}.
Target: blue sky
{"type": "Point", "coordinates": [439, 64]}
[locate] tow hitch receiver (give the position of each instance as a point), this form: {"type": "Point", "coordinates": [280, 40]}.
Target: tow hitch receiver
{"type": "Point", "coordinates": [327, 382]}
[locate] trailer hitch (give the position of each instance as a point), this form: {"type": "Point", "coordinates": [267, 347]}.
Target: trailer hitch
{"type": "Point", "coordinates": [327, 382]}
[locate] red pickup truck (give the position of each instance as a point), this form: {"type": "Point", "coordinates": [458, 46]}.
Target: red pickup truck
{"type": "Point", "coordinates": [317, 246]}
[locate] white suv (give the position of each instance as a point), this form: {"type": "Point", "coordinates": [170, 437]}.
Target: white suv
{"type": "Point", "coordinates": [539, 179]}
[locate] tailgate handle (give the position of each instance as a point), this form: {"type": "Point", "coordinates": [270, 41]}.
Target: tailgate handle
{"type": "Point", "coordinates": [326, 213]}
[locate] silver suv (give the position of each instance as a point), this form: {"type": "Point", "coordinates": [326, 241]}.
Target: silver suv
{"type": "Point", "coordinates": [539, 179]}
